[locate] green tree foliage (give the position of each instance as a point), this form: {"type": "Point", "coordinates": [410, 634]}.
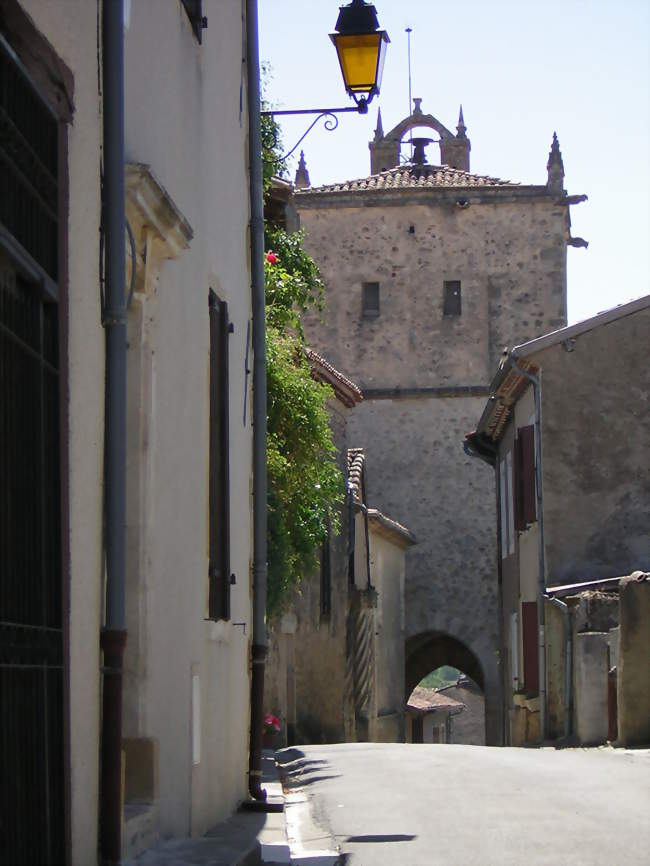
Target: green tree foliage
{"type": "Point", "coordinates": [441, 677]}
{"type": "Point", "coordinates": [304, 482]}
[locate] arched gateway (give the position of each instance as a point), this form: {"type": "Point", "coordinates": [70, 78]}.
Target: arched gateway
{"type": "Point", "coordinates": [430, 650]}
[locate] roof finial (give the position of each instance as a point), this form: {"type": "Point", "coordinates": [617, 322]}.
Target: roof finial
{"type": "Point", "coordinates": [417, 102]}
{"type": "Point", "coordinates": [302, 175]}
{"type": "Point", "coordinates": [461, 129]}
{"type": "Point", "coordinates": [379, 131]}
{"type": "Point", "coordinates": [555, 167]}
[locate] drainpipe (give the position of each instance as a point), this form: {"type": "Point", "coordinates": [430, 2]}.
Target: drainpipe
{"type": "Point", "coordinates": [568, 664]}
{"type": "Point", "coordinates": [259, 648]}
{"type": "Point", "coordinates": [541, 567]}
{"type": "Point", "coordinates": [113, 635]}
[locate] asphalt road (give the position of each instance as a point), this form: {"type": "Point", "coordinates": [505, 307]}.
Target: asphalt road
{"type": "Point", "coordinates": [424, 805]}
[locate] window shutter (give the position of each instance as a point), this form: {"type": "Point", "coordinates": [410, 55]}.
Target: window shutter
{"type": "Point", "coordinates": [219, 499]}
{"type": "Point", "coordinates": [326, 579]}
{"type": "Point", "coordinates": [524, 483]}
{"type": "Point", "coordinates": [531, 658]}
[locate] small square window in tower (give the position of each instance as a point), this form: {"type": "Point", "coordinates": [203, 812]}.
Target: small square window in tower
{"type": "Point", "coordinates": [451, 304]}
{"type": "Point", "coordinates": [370, 300]}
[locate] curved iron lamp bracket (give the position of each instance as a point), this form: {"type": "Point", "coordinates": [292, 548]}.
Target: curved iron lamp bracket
{"type": "Point", "coordinates": [328, 115]}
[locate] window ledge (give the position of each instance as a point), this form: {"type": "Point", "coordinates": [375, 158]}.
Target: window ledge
{"type": "Point", "coordinates": [160, 230]}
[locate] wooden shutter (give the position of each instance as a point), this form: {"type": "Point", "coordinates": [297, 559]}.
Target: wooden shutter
{"type": "Point", "coordinates": [219, 499]}
{"type": "Point", "coordinates": [326, 579]}
{"type": "Point", "coordinates": [531, 649]}
{"type": "Point", "coordinates": [524, 482]}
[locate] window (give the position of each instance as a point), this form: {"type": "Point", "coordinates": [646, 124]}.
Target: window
{"type": "Point", "coordinates": [524, 480]}
{"type": "Point", "coordinates": [326, 579]}
{"type": "Point", "coordinates": [219, 511]}
{"type": "Point", "coordinates": [370, 300]}
{"type": "Point", "coordinates": [451, 303]}
{"type": "Point", "coordinates": [195, 13]}
{"type": "Point", "coordinates": [506, 506]}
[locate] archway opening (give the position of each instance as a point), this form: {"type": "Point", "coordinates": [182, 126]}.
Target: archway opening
{"type": "Point", "coordinates": [445, 701]}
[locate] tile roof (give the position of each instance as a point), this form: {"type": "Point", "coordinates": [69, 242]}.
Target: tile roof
{"type": "Point", "coordinates": [411, 177]}
{"type": "Point", "coordinates": [345, 389]}
{"type": "Point", "coordinates": [384, 525]}
{"type": "Point", "coordinates": [426, 700]}
{"type": "Point", "coordinates": [356, 460]}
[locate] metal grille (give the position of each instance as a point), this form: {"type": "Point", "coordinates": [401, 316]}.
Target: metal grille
{"type": "Point", "coordinates": [28, 166]}
{"type": "Point", "coordinates": [31, 637]}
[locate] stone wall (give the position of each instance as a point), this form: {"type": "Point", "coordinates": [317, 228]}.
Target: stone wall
{"type": "Point", "coordinates": [595, 458]}
{"type": "Point", "coordinates": [633, 655]}
{"type": "Point", "coordinates": [510, 258]}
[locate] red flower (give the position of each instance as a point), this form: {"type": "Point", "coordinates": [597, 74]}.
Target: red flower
{"type": "Point", "coordinates": [271, 258]}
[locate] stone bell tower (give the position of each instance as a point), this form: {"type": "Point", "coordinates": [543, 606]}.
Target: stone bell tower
{"type": "Point", "coordinates": [429, 271]}
{"type": "Point", "coordinates": [385, 149]}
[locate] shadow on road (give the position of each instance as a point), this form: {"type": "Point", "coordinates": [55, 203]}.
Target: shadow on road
{"type": "Point", "coordinates": [386, 837]}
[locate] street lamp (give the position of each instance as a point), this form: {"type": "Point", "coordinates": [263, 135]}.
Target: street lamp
{"type": "Point", "coordinates": [361, 49]}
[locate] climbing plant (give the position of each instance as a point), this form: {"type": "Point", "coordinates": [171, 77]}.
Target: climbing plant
{"type": "Point", "coordinates": [303, 478]}
{"type": "Point", "coordinates": [304, 482]}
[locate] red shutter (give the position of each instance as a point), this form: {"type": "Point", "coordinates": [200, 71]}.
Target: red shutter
{"type": "Point", "coordinates": [531, 652]}
{"type": "Point", "coordinates": [524, 478]}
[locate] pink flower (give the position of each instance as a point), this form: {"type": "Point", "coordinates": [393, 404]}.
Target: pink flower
{"type": "Point", "coordinates": [271, 257]}
{"type": "Point", "coordinates": [271, 723]}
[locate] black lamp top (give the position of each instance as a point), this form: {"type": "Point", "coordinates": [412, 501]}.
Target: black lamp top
{"type": "Point", "coordinates": [356, 18]}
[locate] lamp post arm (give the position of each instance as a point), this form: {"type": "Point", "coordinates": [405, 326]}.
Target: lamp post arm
{"type": "Point", "coordinates": [328, 115]}
{"type": "Point", "coordinates": [346, 110]}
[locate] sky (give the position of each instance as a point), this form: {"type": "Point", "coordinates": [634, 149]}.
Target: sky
{"type": "Point", "coordinates": [522, 69]}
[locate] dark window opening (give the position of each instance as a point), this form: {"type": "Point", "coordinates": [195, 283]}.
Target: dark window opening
{"type": "Point", "coordinates": [326, 578]}
{"type": "Point", "coordinates": [524, 478]}
{"type": "Point", "coordinates": [370, 300]}
{"type": "Point", "coordinates": [219, 497]}
{"type": "Point", "coordinates": [451, 305]}
{"type": "Point", "coordinates": [29, 154]}
{"type": "Point", "coordinates": [32, 655]}
{"type": "Point", "coordinates": [199, 22]}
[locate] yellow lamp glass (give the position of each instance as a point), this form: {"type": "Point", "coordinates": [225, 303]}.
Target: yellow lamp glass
{"type": "Point", "coordinates": [362, 59]}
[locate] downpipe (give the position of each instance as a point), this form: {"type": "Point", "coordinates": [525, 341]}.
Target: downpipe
{"type": "Point", "coordinates": [541, 560]}
{"type": "Point", "coordinates": [259, 646]}
{"type": "Point", "coordinates": [113, 635]}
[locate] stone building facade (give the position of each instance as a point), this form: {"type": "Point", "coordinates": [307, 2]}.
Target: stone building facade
{"type": "Point", "coordinates": [430, 271]}
{"type": "Point", "coordinates": [335, 671]}
{"type": "Point", "coordinates": [564, 428]}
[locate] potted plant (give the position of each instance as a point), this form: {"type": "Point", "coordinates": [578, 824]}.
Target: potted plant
{"type": "Point", "coordinates": [269, 731]}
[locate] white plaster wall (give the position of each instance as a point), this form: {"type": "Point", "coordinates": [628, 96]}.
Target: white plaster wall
{"type": "Point", "coordinates": [71, 28]}
{"type": "Point", "coordinates": [183, 119]}
{"type": "Point", "coordinates": [388, 565]}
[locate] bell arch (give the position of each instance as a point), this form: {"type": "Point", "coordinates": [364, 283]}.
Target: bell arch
{"type": "Point", "coordinates": [385, 149]}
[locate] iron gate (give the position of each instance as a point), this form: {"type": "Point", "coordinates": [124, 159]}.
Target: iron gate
{"type": "Point", "coordinates": [31, 636]}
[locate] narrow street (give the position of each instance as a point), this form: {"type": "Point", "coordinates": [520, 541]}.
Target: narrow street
{"type": "Point", "coordinates": [423, 805]}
